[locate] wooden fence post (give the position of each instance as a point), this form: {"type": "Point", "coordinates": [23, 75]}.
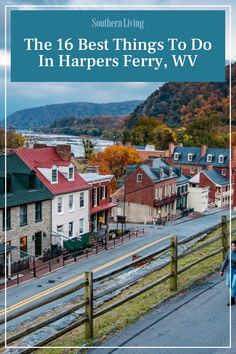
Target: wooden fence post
{"type": "Point", "coordinates": [173, 264]}
{"type": "Point", "coordinates": [89, 306]}
{"type": "Point", "coordinates": [224, 230]}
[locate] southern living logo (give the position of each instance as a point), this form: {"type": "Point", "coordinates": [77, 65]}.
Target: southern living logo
{"type": "Point", "coordinates": [122, 23]}
{"type": "Point", "coordinates": [113, 46]}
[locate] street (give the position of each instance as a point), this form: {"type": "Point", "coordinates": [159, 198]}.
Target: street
{"type": "Point", "coordinates": [41, 288]}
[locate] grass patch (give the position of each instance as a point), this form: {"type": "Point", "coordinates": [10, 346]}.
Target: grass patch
{"type": "Point", "coordinates": [117, 319]}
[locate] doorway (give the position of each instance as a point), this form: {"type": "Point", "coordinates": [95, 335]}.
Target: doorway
{"type": "Point", "coordinates": [38, 244]}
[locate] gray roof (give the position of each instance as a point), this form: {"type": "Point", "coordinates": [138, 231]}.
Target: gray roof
{"type": "Point", "coordinates": [201, 160]}
{"type": "Point", "coordinates": [154, 170]}
{"type": "Point", "coordinates": [216, 177]}
{"type": "Point", "coordinates": [182, 180]}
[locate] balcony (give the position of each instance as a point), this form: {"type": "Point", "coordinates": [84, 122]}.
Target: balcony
{"type": "Point", "coordinates": [220, 195]}
{"type": "Point", "coordinates": [164, 201]}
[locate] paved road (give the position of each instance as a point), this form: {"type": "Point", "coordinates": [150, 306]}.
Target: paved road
{"type": "Point", "coordinates": [198, 319]}
{"type": "Point", "coordinates": [104, 262]}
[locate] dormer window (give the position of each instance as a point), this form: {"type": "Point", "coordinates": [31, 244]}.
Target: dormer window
{"type": "Point", "coordinates": [71, 174]}
{"type": "Point", "coordinates": [161, 173]}
{"type": "Point", "coordinates": [139, 177]}
{"type": "Point", "coordinates": [209, 158]}
{"type": "Point", "coordinates": [54, 175]}
{"type": "Point", "coordinates": [221, 158]}
{"type": "Point", "coordinates": [170, 172]}
{"type": "Point", "coordinates": [190, 157]}
{"type": "Point", "coordinates": [176, 156]}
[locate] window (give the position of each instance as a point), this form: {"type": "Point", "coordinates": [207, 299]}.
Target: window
{"type": "Point", "coordinates": [209, 158]}
{"type": "Point", "coordinates": [60, 205]}
{"type": "Point", "coordinates": [176, 156]}
{"type": "Point", "coordinates": [8, 220]}
{"type": "Point", "coordinates": [190, 157]}
{"type": "Point", "coordinates": [54, 175]}
{"type": "Point", "coordinates": [71, 202]}
{"type": "Point", "coordinates": [192, 169]}
{"type": "Point", "coordinates": [23, 215]}
{"type": "Point", "coordinates": [81, 200]}
{"type": "Point", "coordinates": [23, 246]}
{"type": "Point", "coordinates": [223, 172]}
{"type": "Point", "coordinates": [186, 188]}
{"type": "Point", "coordinates": [221, 158]}
{"type": "Point", "coordinates": [166, 191]}
{"type": "Point", "coordinates": [38, 211]}
{"type": "Point", "coordinates": [71, 225]}
{"type": "Point", "coordinates": [81, 226]}
{"type": "Point", "coordinates": [71, 173]}
{"type": "Point", "coordinates": [139, 177]}
{"type": "Point", "coordinates": [60, 229]}
{"type": "Point", "coordinates": [95, 196]}
{"type": "Point", "coordinates": [103, 190]}
{"type": "Point", "coordinates": [161, 173]}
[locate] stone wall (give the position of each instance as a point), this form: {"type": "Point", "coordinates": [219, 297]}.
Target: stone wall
{"type": "Point", "coordinates": [29, 230]}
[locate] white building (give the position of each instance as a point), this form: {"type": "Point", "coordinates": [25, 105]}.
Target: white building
{"type": "Point", "coordinates": [70, 205]}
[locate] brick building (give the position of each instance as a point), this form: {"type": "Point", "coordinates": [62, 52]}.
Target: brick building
{"type": "Point", "coordinates": [219, 190]}
{"type": "Point", "coordinates": [150, 191]}
{"type": "Point", "coordinates": [100, 204]}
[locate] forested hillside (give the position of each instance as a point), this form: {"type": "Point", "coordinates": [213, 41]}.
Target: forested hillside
{"type": "Point", "coordinates": [44, 116]}
{"type": "Point", "coordinates": [177, 104]}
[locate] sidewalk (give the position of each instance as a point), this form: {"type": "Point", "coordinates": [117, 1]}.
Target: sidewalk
{"type": "Point", "coordinates": [199, 318]}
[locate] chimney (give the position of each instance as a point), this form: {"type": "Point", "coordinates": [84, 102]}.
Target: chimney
{"type": "Point", "coordinates": [64, 151]}
{"type": "Point", "coordinates": [209, 167]}
{"type": "Point", "coordinates": [148, 162]}
{"type": "Point", "coordinates": [38, 146]}
{"type": "Point", "coordinates": [203, 150]}
{"type": "Point", "coordinates": [171, 148]}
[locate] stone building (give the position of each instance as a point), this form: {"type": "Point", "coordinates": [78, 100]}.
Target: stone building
{"type": "Point", "coordinates": [27, 217]}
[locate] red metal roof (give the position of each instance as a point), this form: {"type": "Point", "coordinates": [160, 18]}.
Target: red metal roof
{"type": "Point", "coordinates": [47, 157]}
{"type": "Point", "coordinates": [102, 207]}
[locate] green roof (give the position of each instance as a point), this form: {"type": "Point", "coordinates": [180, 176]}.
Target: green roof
{"type": "Point", "coordinates": [20, 193]}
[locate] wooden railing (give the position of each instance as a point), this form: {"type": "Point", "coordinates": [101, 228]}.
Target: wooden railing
{"type": "Point", "coordinates": [92, 312]}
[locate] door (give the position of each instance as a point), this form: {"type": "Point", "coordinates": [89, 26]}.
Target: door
{"type": "Point", "coordinates": [38, 244]}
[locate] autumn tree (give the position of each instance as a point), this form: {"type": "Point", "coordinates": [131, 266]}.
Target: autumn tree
{"type": "Point", "coordinates": [114, 160]}
{"type": "Point", "coordinates": [207, 129]}
{"type": "Point", "coordinates": [14, 139]}
{"type": "Point", "coordinates": [149, 130]}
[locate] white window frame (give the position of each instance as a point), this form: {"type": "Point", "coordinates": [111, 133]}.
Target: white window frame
{"type": "Point", "coordinates": [192, 169]}
{"type": "Point", "coordinates": [56, 181]}
{"type": "Point", "coordinates": [157, 193]}
{"type": "Point", "coordinates": [209, 158]}
{"type": "Point", "coordinates": [95, 200]}
{"type": "Point", "coordinates": [71, 208]}
{"type": "Point", "coordinates": [223, 171]}
{"type": "Point", "coordinates": [73, 173]}
{"type": "Point", "coordinates": [190, 157]}
{"type": "Point", "coordinates": [139, 177]}
{"type": "Point", "coordinates": [166, 190]}
{"type": "Point", "coordinates": [81, 229]}
{"type": "Point", "coordinates": [60, 206]}
{"type": "Point", "coordinates": [83, 199]}
{"type": "Point", "coordinates": [103, 192]}
{"type": "Point", "coordinates": [221, 159]}
{"type": "Point", "coordinates": [176, 156]}
{"type": "Point", "coordinates": [70, 229]}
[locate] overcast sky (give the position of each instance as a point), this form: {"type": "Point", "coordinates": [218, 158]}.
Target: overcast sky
{"type": "Point", "coordinates": [26, 95]}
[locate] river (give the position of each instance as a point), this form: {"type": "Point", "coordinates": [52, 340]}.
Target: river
{"type": "Point", "coordinates": [76, 142]}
